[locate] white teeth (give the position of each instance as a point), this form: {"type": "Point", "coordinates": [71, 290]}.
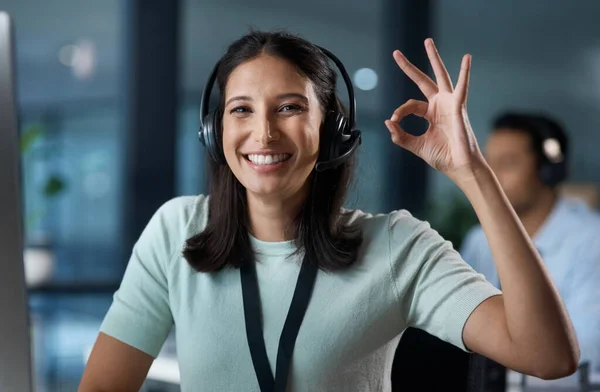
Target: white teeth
{"type": "Point", "coordinates": [268, 159]}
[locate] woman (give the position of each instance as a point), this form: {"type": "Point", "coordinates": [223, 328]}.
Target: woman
{"type": "Point", "coordinates": [376, 276]}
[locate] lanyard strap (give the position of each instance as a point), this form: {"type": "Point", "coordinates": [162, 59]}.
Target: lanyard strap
{"type": "Point", "coordinates": [287, 341]}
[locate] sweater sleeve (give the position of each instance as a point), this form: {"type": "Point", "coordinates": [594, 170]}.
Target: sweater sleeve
{"type": "Point", "coordinates": [437, 289]}
{"type": "Point", "coordinates": [140, 314]}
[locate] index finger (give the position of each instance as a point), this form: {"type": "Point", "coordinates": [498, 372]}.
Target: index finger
{"type": "Point", "coordinates": [426, 85]}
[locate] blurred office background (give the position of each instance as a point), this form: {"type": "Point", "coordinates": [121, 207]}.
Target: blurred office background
{"type": "Point", "coordinates": [106, 139]}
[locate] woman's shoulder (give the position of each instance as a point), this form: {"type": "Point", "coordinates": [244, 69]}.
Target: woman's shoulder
{"type": "Point", "coordinates": [175, 219]}
{"type": "Point", "coordinates": [397, 221]}
{"type": "Point", "coordinates": [170, 226]}
{"type": "Point", "coordinates": [404, 239]}
{"type": "Point", "coordinates": [398, 231]}
{"type": "Point", "coordinates": [181, 210]}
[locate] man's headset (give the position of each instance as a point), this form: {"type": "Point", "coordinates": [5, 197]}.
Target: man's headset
{"type": "Point", "coordinates": [339, 139]}
{"type": "Point", "coordinates": [554, 165]}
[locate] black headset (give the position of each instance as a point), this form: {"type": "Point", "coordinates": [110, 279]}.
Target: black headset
{"type": "Point", "coordinates": [554, 165]}
{"type": "Point", "coordinates": [339, 139]}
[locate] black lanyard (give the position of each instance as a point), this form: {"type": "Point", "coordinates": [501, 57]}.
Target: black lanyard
{"type": "Point", "coordinates": [254, 331]}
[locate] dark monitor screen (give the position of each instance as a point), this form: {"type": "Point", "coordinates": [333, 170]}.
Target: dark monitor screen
{"type": "Point", "coordinates": [15, 354]}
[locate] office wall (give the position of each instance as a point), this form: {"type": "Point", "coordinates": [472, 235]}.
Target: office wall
{"type": "Point", "coordinates": [528, 55]}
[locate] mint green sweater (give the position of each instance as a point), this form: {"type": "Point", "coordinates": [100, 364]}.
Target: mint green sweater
{"type": "Point", "coordinates": [406, 275]}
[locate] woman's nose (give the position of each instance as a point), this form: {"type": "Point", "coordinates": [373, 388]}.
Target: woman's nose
{"type": "Point", "coordinates": [266, 132]}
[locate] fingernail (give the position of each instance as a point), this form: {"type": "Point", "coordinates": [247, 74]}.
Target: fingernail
{"type": "Point", "coordinates": [394, 118]}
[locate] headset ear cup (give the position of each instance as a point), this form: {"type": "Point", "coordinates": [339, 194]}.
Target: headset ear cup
{"type": "Point", "coordinates": [203, 132]}
{"type": "Point", "coordinates": [216, 135]}
{"type": "Point", "coordinates": [342, 125]}
{"type": "Point", "coordinates": [553, 174]}
{"type": "Point", "coordinates": [210, 137]}
{"type": "Point", "coordinates": [545, 174]}
{"type": "Point", "coordinates": [334, 136]}
{"type": "Point", "coordinates": [326, 138]}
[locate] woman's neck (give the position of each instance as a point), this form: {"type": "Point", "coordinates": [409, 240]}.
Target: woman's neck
{"type": "Point", "coordinates": [272, 219]}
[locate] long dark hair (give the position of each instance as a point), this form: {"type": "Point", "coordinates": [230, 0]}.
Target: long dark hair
{"type": "Point", "coordinates": [319, 231]}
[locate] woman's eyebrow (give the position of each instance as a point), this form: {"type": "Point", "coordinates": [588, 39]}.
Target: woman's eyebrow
{"type": "Point", "coordinates": [302, 97]}
{"type": "Point", "coordinates": [239, 98]}
{"type": "Point", "coordinates": [293, 95]}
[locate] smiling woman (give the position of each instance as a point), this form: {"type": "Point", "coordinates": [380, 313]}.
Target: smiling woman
{"type": "Point", "coordinates": [273, 104]}
{"type": "Point", "coordinates": [273, 232]}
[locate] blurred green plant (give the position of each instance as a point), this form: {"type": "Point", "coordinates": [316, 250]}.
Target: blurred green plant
{"type": "Point", "coordinates": [452, 217]}
{"type": "Point", "coordinates": [54, 184]}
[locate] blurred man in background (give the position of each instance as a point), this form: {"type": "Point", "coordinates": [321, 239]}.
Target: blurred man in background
{"type": "Point", "coordinates": [529, 155]}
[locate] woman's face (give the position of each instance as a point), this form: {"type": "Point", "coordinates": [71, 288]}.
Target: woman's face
{"type": "Point", "coordinates": [271, 123]}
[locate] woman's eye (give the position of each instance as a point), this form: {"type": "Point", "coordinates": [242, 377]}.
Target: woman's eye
{"type": "Point", "coordinates": [239, 109]}
{"type": "Point", "coordinates": [291, 108]}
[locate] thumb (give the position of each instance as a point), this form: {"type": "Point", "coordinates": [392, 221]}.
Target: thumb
{"type": "Point", "coordinates": [402, 138]}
